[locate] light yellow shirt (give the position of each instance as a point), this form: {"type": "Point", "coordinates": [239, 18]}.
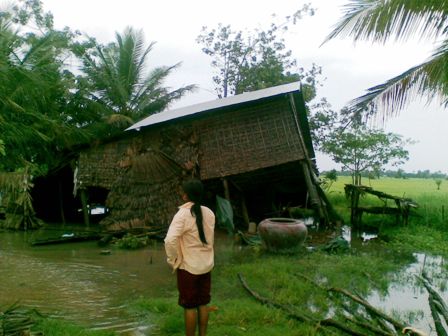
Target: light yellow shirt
{"type": "Point", "coordinates": [183, 246]}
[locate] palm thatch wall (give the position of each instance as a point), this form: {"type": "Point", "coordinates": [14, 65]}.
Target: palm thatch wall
{"type": "Point", "coordinates": [143, 175]}
{"type": "Point", "coordinates": [15, 190]}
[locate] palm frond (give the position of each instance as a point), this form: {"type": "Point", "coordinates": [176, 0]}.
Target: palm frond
{"type": "Point", "coordinates": [151, 85]}
{"type": "Point", "coordinates": [429, 79]}
{"type": "Point", "coordinates": [379, 20]}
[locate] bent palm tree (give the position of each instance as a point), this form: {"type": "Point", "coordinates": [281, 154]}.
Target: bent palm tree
{"type": "Point", "coordinates": [380, 20]}
{"type": "Point", "coordinates": [120, 84]}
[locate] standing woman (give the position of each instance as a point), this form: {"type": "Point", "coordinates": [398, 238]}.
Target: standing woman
{"type": "Point", "coordinates": [189, 250]}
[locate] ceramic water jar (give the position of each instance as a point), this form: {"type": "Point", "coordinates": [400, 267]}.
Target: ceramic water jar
{"type": "Point", "coordinates": [280, 234]}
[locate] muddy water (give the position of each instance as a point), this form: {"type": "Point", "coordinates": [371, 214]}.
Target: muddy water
{"type": "Point", "coordinates": [75, 281]}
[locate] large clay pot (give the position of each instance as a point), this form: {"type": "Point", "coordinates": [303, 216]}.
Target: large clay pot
{"type": "Point", "coordinates": [282, 233]}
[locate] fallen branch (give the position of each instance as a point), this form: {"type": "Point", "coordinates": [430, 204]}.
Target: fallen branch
{"type": "Point", "coordinates": [371, 309]}
{"type": "Point", "coordinates": [370, 327]}
{"type": "Point", "coordinates": [437, 321]}
{"type": "Point", "coordinates": [268, 302]}
{"type": "Point", "coordinates": [436, 305]}
{"type": "Point", "coordinates": [300, 317]}
{"type": "Point", "coordinates": [432, 291]}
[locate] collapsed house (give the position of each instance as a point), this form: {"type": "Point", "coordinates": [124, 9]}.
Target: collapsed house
{"type": "Point", "coordinates": [253, 149]}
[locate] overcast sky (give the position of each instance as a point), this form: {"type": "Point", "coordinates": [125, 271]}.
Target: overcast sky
{"type": "Point", "coordinates": [349, 68]}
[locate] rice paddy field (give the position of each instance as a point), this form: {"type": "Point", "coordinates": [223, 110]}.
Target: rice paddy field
{"type": "Point", "coordinates": [432, 202]}
{"type": "Point", "coordinates": [417, 188]}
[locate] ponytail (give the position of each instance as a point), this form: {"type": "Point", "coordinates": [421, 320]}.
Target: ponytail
{"type": "Point", "coordinates": [194, 191]}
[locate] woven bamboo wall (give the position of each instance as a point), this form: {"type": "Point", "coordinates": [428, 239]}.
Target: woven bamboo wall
{"type": "Point", "coordinates": [249, 138]}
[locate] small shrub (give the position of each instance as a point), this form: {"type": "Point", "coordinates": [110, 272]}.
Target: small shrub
{"type": "Point", "coordinates": [131, 242]}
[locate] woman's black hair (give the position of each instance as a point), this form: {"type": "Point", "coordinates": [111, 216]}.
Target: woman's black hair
{"type": "Point", "coordinates": [194, 190]}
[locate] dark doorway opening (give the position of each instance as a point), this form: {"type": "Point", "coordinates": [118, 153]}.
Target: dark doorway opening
{"type": "Point", "coordinates": [53, 198]}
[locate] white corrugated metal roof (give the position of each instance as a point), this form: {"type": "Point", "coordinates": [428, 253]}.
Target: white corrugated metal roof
{"type": "Point", "coordinates": [214, 104]}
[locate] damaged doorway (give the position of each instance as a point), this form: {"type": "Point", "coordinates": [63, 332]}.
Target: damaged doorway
{"type": "Point", "coordinates": [53, 198]}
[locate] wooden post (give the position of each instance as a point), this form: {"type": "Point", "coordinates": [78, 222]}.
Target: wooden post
{"type": "Point", "coordinates": [244, 211]}
{"type": "Point", "coordinates": [61, 202]}
{"type": "Point", "coordinates": [85, 209]}
{"type": "Point", "coordinates": [355, 203]}
{"type": "Point", "coordinates": [226, 189]}
{"type": "Point", "coordinates": [312, 192]}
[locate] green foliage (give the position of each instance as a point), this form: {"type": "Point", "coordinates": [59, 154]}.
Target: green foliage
{"type": "Point", "coordinates": [2, 147]}
{"type": "Point", "coordinates": [383, 20]}
{"type": "Point", "coordinates": [117, 80]}
{"type": "Point", "coordinates": [438, 183]}
{"type": "Point", "coordinates": [358, 149]}
{"type": "Point", "coordinates": [34, 88]}
{"type": "Point", "coordinates": [47, 110]}
{"type": "Point", "coordinates": [328, 179]}
{"type": "Point", "coordinates": [297, 212]}
{"type": "Point", "coordinates": [253, 60]}
{"type": "Point", "coordinates": [131, 242]}
{"type": "Point", "coordinates": [16, 320]}
{"type": "Point", "coordinates": [418, 238]}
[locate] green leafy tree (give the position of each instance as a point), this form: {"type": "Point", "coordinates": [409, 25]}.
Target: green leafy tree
{"type": "Point", "coordinates": [34, 88]}
{"type": "Point", "coordinates": [358, 148]}
{"type": "Point", "coordinates": [381, 20]}
{"type": "Point", "coordinates": [257, 59]}
{"type": "Point", "coordinates": [328, 179]}
{"type": "Point", "coordinates": [119, 86]}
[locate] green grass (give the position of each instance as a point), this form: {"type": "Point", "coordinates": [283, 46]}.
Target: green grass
{"type": "Point", "coordinates": [53, 327]}
{"type": "Point", "coordinates": [279, 279]}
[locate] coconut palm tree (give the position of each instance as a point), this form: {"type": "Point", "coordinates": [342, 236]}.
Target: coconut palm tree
{"type": "Point", "coordinates": [120, 82]}
{"type": "Point", "coordinates": [381, 20]}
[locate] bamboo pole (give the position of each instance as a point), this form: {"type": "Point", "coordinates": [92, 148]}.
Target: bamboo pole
{"type": "Point", "coordinates": [85, 209]}
{"type": "Point", "coordinates": [225, 185]}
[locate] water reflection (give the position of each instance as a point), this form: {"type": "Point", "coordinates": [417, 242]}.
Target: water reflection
{"type": "Point", "coordinates": [408, 296]}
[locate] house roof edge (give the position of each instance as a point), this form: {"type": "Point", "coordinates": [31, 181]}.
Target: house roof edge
{"type": "Point", "coordinates": [215, 104]}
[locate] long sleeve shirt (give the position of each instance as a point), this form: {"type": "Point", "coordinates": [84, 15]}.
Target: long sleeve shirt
{"type": "Point", "coordinates": [183, 246]}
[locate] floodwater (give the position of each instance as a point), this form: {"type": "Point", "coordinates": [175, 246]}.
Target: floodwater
{"type": "Point", "coordinates": [77, 282]}
{"type": "Point", "coordinates": [406, 296]}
